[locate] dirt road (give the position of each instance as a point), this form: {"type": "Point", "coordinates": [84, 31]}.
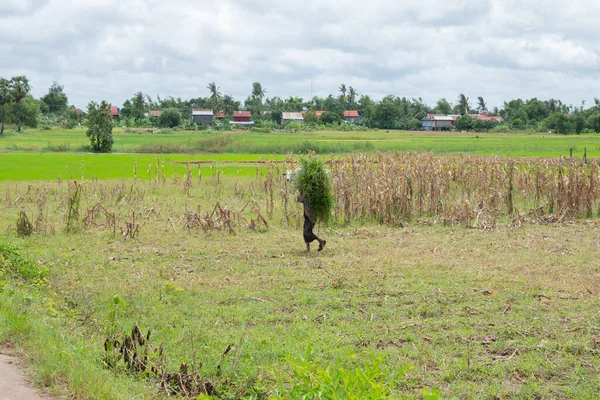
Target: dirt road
{"type": "Point", "coordinates": [12, 381]}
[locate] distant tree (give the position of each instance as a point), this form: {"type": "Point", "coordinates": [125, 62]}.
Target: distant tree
{"type": "Point", "coordinates": [170, 118]}
{"type": "Point", "coordinates": [229, 105]}
{"type": "Point", "coordinates": [351, 99]}
{"type": "Point", "coordinates": [443, 107]}
{"type": "Point", "coordinates": [536, 110]}
{"type": "Point", "coordinates": [257, 91]}
{"type": "Point", "coordinates": [56, 100]}
{"type": "Point", "coordinates": [495, 111]}
{"type": "Point", "coordinates": [558, 122]}
{"type": "Point", "coordinates": [366, 109]}
{"type": "Point", "coordinates": [517, 123]}
{"type": "Point", "coordinates": [481, 105]}
{"type": "Point", "coordinates": [100, 125]}
{"type": "Point", "coordinates": [329, 117]}
{"type": "Point", "coordinates": [20, 88]}
{"type": "Point", "coordinates": [342, 97]}
{"type": "Point", "coordinates": [462, 107]}
{"type": "Point", "coordinates": [386, 112]}
{"type": "Point", "coordinates": [464, 123]}
{"type": "Point", "coordinates": [5, 98]}
{"type": "Point", "coordinates": [310, 117]}
{"type": "Point", "coordinates": [593, 121]}
{"type": "Point", "coordinates": [578, 122]}
{"type": "Point", "coordinates": [28, 109]}
{"type": "Point", "coordinates": [215, 95]}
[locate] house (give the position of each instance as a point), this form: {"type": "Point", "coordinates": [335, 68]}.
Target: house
{"type": "Point", "coordinates": [80, 114]}
{"type": "Point", "coordinates": [114, 111]}
{"type": "Point", "coordinates": [242, 118]}
{"type": "Point", "coordinates": [319, 113]}
{"type": "Point", "coordinates": [437, 122]}
{"type": "Point", "coordinates": [291, 116]}
{"type": "Point", "coordinates": [220, 115]}
{"type": "Point", "coordinates": [351, 116]}
{"type": "Point", "coordinates": [154, 113]}
{"type": "Point", "coordinates": [203, 117]}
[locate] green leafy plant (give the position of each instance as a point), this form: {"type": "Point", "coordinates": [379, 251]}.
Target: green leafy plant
{"type": "Point", "coordinates": [313, 181]}
{"type": "Point", "coordinates": [100, 125]}
{"type": "Point", "coordinates": [309, 380]}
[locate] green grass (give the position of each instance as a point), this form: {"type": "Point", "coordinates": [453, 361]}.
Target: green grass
{"type": "Point", "coordinates": [77, 166]}
{"type": "Point", "coordinates": [508, 313]}
{"type": "Point", "coordinates": [519, 145]}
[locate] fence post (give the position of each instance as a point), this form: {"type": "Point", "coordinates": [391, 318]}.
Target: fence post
{"type": "Point", "coordinates": [585, 155]}
{"type": "Point", "coordinates": [571, 153]}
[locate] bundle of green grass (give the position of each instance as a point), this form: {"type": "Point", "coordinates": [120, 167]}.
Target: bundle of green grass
{"type": "Point", "coordinates": [313, 181]}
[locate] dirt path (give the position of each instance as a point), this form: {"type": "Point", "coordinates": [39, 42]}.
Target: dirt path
{"type": "Point", "coordinates": [12, 381]}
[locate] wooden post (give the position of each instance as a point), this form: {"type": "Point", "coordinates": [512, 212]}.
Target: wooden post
{"type": "Point", "coordinates": [571, 153]}
{"type": "Point", "coordinates": [585, 155]}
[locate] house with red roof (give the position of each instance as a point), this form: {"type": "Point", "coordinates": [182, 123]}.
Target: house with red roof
{"type": "Point", "coordinates": [351, 116]}
{"type": "Point", "coordinates": [154, 113]}
{"type": "Point", "coordinates": [242, 118]}
{"type": "Point", "coordinates": [220, 115]}
{"type": "Point", "coordinates": [486, 117]}
{"type": "Point", "coordinates": [114, 111]}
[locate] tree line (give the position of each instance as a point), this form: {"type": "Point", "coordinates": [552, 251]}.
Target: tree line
{"type": "Point", "coordinates": [391, 112]}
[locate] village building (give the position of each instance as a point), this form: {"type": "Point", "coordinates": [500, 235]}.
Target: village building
{"type": "Point", "coordinates": [291, 116]}
{"type": "Point", "coordinates": [220, 115]}
{"type": "Point", "coordinates": [114, 111]}
{"type": "Point", "coordinates": [242, 118]}
{"type": "Point", "coordinates": [351, 116]}
{"type": "Point", "coordinates": [203, 117]}
{"type": "Point", "coordinates": [437, 122]}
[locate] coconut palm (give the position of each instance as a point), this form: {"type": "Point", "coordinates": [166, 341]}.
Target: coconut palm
{"type": "Point", "coordinates": [228, 104]}
{"type": "Point", "coordinates": [481, 105]}
{"type": "Point", "coordinates": [343, 94]}
{"type": "Point", "coordinates": [5, 98]}
{"type": "Point", "coordinates": [215, 95]}
{"type": "Point", "coordinates": [257, 91]}
{"type": "Point", "coordinates": [351, 96]}
{"type": "Point", "coordinates": [20, 88]}
{"type": "Point", "coordinates": [463, 104]}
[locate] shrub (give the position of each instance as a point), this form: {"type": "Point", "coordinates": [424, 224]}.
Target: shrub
{"type": "Point", "coordinates": [100, 126]}
{"type": "Point", "coordinates": [313, 181]}
{"type": "Point", "coordinates": [170, 118]}
{"type": "Point", "coordinates": [464, 123]}
{"type": "Point", "coordinates": [329, 117]}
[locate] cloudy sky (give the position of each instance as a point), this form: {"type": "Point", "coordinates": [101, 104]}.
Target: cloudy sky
{"type": "Point", "coordinates": [499, 49]}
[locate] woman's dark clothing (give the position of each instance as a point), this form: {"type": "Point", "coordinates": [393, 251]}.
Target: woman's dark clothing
{"type": "Point", "coordinates": [309, 222]}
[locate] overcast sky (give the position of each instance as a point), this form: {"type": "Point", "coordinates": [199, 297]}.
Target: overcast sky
{"type": "Point", "coordinates": [499, 49]}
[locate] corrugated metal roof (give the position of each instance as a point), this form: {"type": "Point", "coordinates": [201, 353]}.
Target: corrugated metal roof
{"type": "Point", "coordinates": [203, 112]}
{"type": "Point", "coordinates": [485, 117]}
{"type": "Point", "coordinates": [350, 113]}
{"type": "Point", "coordinates": [155, 113]}
{"type": "Point", "coordinates": [220, 115]}
{"type": "Point", "coordinates": [292, 115]}
{"type": "Point", "coordinates": [242, 114]}
{"type": "Point", "coordinates": [319, 113]}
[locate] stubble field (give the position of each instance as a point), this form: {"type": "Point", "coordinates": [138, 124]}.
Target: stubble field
{"type": "Point", "coordinates": [458, 289]}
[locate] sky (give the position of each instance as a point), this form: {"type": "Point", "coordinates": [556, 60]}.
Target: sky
{"type": "Point", "coordinates": [498, 49]}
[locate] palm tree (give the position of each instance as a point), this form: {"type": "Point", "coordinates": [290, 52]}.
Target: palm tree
{"type": "Point", "coordinates": [5, 98]}
{"type": "Point", "coordinates": [343, 94]}
{"type": "Point", "coordinates": [20, 88]}
{"type": "Point", "coordinates": [481, 105]}
{"type": "Point", "coordinates": [215, 95]}
{"type": "Point", "coordinates": [463, 104]}
{"type": "Point", "coordinates": [351, 96]}
{"type": "Point", "coordinates": [228, 104]}
{"type": "Point", "coordinates": [257, 91]}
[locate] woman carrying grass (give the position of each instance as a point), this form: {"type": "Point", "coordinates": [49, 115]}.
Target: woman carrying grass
{"type": "Point", "coordinates": [312, 181]}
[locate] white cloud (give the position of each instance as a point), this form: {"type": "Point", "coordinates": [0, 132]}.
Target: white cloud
{"type": "Point", "coordinates": [110, 49]}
